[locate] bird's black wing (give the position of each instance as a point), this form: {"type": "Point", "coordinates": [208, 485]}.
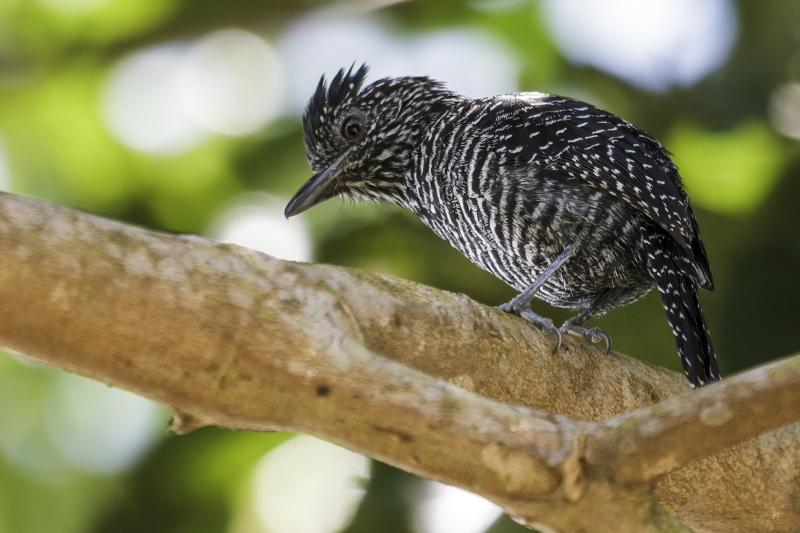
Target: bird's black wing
{"type": "Point", "coordinates": [563, 139]}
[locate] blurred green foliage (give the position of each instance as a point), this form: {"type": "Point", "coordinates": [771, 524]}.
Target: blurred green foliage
{"type": "Point", "coordinates": [55, 56]}
{"type": "Point", "coordinates": [47, 28]}
{"type": "Point", "coordinates": [731, 171]}
{"type": "Point", "coordinates": [39, 491]}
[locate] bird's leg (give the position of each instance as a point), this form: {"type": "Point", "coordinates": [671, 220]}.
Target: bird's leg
{"type": "Point", "coordinates": [523, 300]}
{"type": "Point", "coordinates": [521, 304]}
{"type": "Point", "coordinates": [575, 324]}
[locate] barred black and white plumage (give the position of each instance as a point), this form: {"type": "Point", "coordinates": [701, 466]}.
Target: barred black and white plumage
{"type": "Point", "coordinates": [527, 186]}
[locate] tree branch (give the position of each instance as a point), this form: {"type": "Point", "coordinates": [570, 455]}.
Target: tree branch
{"type": "Point", "coordinates": [228, 336]}
{"type": "Point", "coordinates": [643, 445]}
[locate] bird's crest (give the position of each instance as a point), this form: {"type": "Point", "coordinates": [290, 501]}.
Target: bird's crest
{"type": "Point", "coordinates": [327, 99]}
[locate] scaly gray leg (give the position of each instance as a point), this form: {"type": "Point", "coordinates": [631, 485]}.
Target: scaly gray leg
{"type": "Point", "coordinates": [521, 304]}
{"type": "Point", "coordinates": [575, 324]}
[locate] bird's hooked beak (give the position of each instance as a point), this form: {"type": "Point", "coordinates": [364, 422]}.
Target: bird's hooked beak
{"type": "Point", "coordinates": [316, 190]}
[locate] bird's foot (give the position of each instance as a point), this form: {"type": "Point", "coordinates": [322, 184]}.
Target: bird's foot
{"type": "Point", "coordinates": [543, 323]}
{"type": "Point", "coordinates": [595, 335]}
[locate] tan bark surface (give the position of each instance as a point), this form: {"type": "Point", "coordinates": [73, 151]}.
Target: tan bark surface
{"type": "Point", "coordinates": [426, 380]}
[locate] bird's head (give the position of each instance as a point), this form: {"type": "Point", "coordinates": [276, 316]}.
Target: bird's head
{"type": "Point", "coordinates": [358, 142]}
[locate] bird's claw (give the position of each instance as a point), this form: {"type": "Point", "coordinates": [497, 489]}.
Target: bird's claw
{"type": "Point", "coordinates": [557, 333]}
{"type": "Point", "coordinates": [594, 335]}
{"type": "Point", "coordinates": [607, 338]}
{"type": "Point", "coordinates": [545, 324]}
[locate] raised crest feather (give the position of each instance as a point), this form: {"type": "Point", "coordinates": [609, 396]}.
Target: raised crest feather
{"type": "Point", "coordinates": [343, 88]}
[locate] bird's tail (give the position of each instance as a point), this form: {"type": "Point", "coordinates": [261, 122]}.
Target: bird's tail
{"type": "Point", "coordinates": [679, 296]}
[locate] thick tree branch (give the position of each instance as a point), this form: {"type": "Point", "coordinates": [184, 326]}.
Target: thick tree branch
{"type": "Point", "coordinates": [227, 336]}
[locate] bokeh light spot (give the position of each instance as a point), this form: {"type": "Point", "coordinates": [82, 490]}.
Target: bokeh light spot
{"type": "Point", "coordinates": [232, 82]}
{"type": "Point", "coordinates": [728, 172]}
{"type": "Point", "coordinates": [470, 61]}
{"type": "Point", "coordinates": [256, 221]}
{"type": "Point", "coordinates": [141, 102]}
{"type": "Point", "coordinates": [652, 44]}
{"type": "Point", "coordinates": [784, 110]}
{"type": "Point", "coordinates": [307, 485]}
{"type": "Point", "coordinates": [449, 509]}
{"type": "Point", "coordinates": [98, 428]}
{"type": "Point", "coordinates": [165, 99]}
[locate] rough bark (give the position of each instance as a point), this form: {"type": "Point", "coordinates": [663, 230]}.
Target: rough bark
{"type": "Point", "coordinates": [423, 379]}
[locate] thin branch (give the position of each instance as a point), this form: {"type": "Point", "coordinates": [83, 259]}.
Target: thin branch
{"type": "Point", "coordinates": [641, 446]}
{"type": "Point", "coordinates": [227, 336]}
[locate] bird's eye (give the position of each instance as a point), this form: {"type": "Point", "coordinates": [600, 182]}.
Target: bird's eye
{"type": "Point", "coordinates": [351, 128]}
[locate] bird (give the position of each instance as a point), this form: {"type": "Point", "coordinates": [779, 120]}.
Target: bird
{"type": "Point", "coordinates": [561, 200]}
